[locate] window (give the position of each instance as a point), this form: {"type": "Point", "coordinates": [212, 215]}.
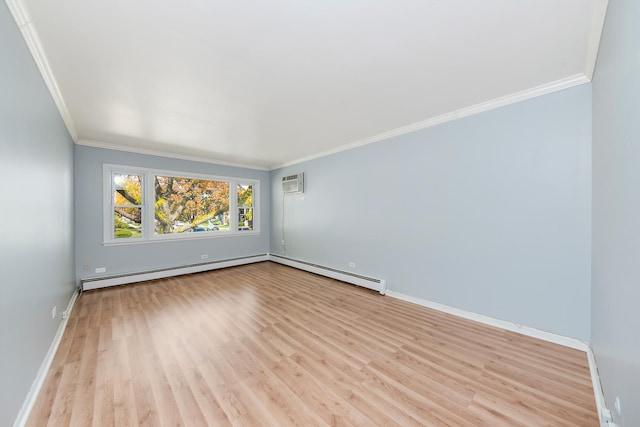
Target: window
{"type": "Point", "coordinates": [188, 205]}
{"type": "Point", "coordinates": [146, 205]}
{"type": "Point", "coordinates": [127, 205]}
{"type": "Point", "coordinates": [245, 207]}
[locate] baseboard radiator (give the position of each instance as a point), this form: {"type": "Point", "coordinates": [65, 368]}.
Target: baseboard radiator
{"type": "Point", "coordinates": [125, 278]}
{"type": "Point", "coordinates": [379, 285]}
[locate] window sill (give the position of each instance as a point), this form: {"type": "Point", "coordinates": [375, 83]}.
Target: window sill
{"type": "Point", "coordinates": [180, 238]}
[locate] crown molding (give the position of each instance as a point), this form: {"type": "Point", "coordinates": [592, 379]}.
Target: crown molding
{"type": "Point", "coordinates": [168, 154]}
{"type": "Point", "coordinates": [524, 95]}
{"type": "Point", "coordinates": [545, 89]}
{"type": "Point", "coordinates": [29, 33]}
{"type": "Point", "coordinates": [595, 35]}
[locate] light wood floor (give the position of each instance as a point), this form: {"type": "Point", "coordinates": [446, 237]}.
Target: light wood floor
{"type": "Point", "coordinates": [267, 345]}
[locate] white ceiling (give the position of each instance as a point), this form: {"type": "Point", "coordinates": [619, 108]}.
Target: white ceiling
{"type": "Point", "coordinates": [267, 83]}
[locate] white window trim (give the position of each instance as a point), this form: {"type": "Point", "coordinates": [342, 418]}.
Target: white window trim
{"type": "Point", "coordinates": [148, 202]}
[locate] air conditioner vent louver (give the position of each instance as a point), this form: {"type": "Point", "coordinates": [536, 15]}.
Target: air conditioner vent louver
{"type": "Point", "coordinates": [293, 183]}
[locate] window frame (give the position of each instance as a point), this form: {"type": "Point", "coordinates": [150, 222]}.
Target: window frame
{"type": "Point", "coordinates": [148, 204]}
{"type": "Point", "coordinates": [252, 207]}
{"type": "Point", "coordinates": [140, 206]}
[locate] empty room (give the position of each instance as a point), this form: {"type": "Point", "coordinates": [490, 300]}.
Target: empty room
{"type": "Point", "coordinates": [295, 213]}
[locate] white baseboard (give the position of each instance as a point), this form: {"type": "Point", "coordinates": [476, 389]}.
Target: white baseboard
{"type": "Point", "coordinates": [30, 400]}
{"type": "Point", "coordinates": [123, 279]}
{"type": "Point", "coordinates": [597, 388]}
{"type": "Point", "coordinates": [487, 320]}
{"type": "Point", "coordinates": [375, 284]}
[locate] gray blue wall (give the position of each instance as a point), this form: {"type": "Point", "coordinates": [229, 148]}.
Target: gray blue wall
{"type": "Point", "coordinates": [490, 213]}
{"type": "Point", "coordinates": [36, 216]}
{"type": "Point", "coordinates": [616, 210]}
{"type": "Point", "coordinates": [148, 256]}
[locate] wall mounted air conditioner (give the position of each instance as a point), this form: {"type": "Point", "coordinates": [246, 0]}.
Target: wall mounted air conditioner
{"type": "Point", "coordinates": [293, 183]}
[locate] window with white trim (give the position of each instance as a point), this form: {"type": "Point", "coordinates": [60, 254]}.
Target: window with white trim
{"type": "Point", "coordinates": [151, 205]}
{"type": "Point", "coordinates": [127, 190]}
{"type": "Point", "coordinates": [245, 207]}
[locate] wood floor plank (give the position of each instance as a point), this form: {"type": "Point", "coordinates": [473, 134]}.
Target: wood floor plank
{"type": "Point", "coordinates": [124, 413]}
{"type": "Point", "coordinates": [268, 345]}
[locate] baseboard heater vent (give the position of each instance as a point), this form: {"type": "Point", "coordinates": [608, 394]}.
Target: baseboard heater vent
{"type": "Point", "coordinates": [122, 279]}
{"type": "Point", "coordinates": [379, 285]}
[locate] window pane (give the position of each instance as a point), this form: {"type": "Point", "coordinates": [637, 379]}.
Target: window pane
{"type": "Point", "coordinates": [245, 219]}
{"type": "Point", "coordinates": [184, 205]}
{"type": "Point", "coordinates": [127, 193]}
{"type": "Point", "coordinates": [127, 222]}
{"type": "Point", "coordinates": [245, 209]}
{"type": "Point", "coordinates": [127, 189]}
{"type": "Point", "coordinates": [245, 195]}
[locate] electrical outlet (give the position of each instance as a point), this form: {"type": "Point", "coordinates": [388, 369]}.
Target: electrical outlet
{"type": "Point", "coordinates": [352, 264]}
{"type": "Point", "coordinates": [53, 312]}
{"type": "Point", "coordinates": [64, 315]}
{"type": "Point", "coordinates": [85, 265]}
{"type": "Point", "coordinates": [101, 269]}
{"type": "Point", "coordinates": [204, 256]}
{"type": "Point", "coordinates": [282, 242]}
